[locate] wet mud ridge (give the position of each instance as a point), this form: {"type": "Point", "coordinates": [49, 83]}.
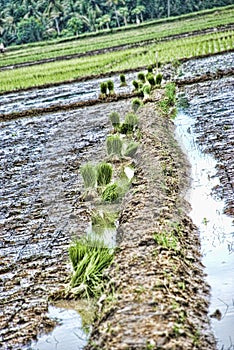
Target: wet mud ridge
{"type": "Point", "coordinates": [157, 297]}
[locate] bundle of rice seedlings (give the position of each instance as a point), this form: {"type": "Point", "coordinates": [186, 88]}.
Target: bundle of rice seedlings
{"type": "Point", "coordinates": [114, 145]}
{"type": "Point", "coordinates": [88, 173]}
{"type": "Point", "coordinates": [104, 173]}
{"type": "Point", "coordinates": [89, 259]}
{"type": "Point", "coordinates": [141, 77]}
{"type": "Point", "coordinates": [122, 80]}
{"type": "Point", "coordinates": [130, 123]}
{"type": "Point", "coordinates": [151, 79]}
{"type": "Point", "coordinates": [136, 103]}
{"type": "Point", "coordinates": [103, 88]}
{"type": "Point", "coordinates": [131, 149]}
{"type": "Point", "coordinates": [110, 86]}
{"type": "Point", "coordinates": [158, 78]}
{"type": "Point", "coordinates": [115, 120]}
{"type": "Point", "coordinates": [111, 193]}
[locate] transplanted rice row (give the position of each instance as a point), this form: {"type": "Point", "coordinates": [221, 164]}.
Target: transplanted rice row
{"type": "Point", "coordinates": [55, 72]}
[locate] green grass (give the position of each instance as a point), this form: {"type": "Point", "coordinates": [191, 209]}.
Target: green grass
{"type": "Point", "coordinates": [70, 70]}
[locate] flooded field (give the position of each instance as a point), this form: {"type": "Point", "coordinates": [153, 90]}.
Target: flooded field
{"type": "Point", "coordinates": [60, 95]}
{"type": "Point", "coordinates": [40, 190]}
{"type": "Point", "coordinates": [206, 130]}
{"type": "Point", "coordinates": [40, 210]}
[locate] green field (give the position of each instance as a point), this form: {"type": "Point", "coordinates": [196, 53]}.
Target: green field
{"type": "Point", "coordinates": [123, 59]}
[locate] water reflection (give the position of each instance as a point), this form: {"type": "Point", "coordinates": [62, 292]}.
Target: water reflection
{"type": "Point", "coordinates": [216, 232]}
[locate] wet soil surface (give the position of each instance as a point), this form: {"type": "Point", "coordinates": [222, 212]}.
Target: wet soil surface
{"type": "Point", "coordinates": [61, 95]}
{"type": "Point", "coordinates": [159, 299]}
{"type": "Point", "coordinates": [40, 210]}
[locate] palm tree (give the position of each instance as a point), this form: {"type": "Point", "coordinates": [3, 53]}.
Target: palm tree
{"type": "Point", "coordinates": [114, 3]}
{"type": "Point", "coordinates": [123, 12]}
{"type": "Point", "coordinates": [54, 10]}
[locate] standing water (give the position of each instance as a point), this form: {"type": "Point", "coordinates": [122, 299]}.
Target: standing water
{"type": "Point", "coordinates": [205, 130]}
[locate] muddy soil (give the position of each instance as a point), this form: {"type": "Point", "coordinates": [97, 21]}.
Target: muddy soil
{"type": "Point", "coordinates": [41, 211]}
{"type": "Point", "coordinates": [157, 297]}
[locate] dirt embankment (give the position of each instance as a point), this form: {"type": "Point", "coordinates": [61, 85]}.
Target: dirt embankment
{"type": "Point", "coordinates": [156, 297]}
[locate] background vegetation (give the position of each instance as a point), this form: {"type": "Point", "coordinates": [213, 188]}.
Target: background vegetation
{"type": "Point", "coordinates": [26, 21]}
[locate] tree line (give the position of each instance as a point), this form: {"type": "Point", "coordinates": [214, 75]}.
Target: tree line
{"type": "Point", "coordinates": [25, 21]}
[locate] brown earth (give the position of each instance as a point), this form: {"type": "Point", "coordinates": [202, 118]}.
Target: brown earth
{"type": "Point", "coordinates": [156, 297]}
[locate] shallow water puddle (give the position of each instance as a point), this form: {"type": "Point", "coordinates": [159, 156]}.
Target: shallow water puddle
{"type": "Point", "coordinates": [72, 330]}
{"type": "Point", "coordinates": [216, 232]}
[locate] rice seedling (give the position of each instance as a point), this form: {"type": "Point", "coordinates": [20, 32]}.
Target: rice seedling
{"type": "Point", "coordinates": [130, 123]}
{"type": "Point", "coordinates": [103, 88]}
{"type": "Point", "coordinates": [115, 120]}
{"type": "Point", "coordinates": [136, 104]}
{"type": "Point", "coordinates": [89, 175]}
{"type": "Point", "coordinates": [131, 149]}
{"type": "Point", "coordinates": [158, 78]}
{"type": "Point", "coordinates": [110, 193]}
{"type": "Point", "coordinates": [103, 219]}
{"type": "Point", "coordinates": [104, 173]}
{"type": "Point", "coordinates": [141, 77]}
{"type": "Point", "coordinates": [122, 80]}
{"type": "Point", "coordinates": [114, 145]}
{"type": "Point", "coordinates": [110, 86]}
{"type": "Point", "coordinates": [136, 85]}
{"type": "Point", "coordinates": [151, 79]}
{"type": "Point", "coordinates": [89, 259]}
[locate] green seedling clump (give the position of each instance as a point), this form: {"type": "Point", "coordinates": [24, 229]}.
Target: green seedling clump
{"type": "Point", "coordinates": [89, 259]}
{"type": "Point", "coordinates": [110, 86]}
{"type": "Point", "coordinates": [104, 173]}
{"type": "Point", "coordinates": [115, 120]}
{"type": "Point", "coordinates": [111, 193]}
{"type": "Point", "coordinates": [114, 145]}
{"type": "Point", "coordinates": [122, 80]}
{"type": "Point", "coordinates": [141, 77]}
{"type": "Point", "coordinates": [136, 103]}
{"type": "Point", "coordinates": [130, 123]}
{"type": "Point", "coordinates": [158, 79]}
{"type": "Point", "coordinates": [131, 149]}
{"type": "Point", "coordinates": [89, 175]}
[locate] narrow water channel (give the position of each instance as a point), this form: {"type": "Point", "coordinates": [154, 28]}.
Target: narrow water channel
{"type": "Point", "coordinates": [216, 233]}
{"type": "Point", "coordinates": [205, 130]}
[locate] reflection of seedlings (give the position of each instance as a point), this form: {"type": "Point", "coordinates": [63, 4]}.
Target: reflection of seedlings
{"type": "Point", "coordinates": [103, 219]}
{"type": "Point", "coordinates": [88, 173]}
{"type": "Point", "coordinates": [89, 258]}
{"type": "Point", "coordinates": [104, 173]}
{"type": "Point", "coordinates": [205, 221]}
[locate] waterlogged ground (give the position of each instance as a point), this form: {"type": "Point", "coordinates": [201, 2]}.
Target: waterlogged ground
{"type": "Point", "coordinates": [60, 95]}
{"type": "Point", "coordinates": [160, 296]}
{"type": "Point", "coordinates": [40, 210]}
